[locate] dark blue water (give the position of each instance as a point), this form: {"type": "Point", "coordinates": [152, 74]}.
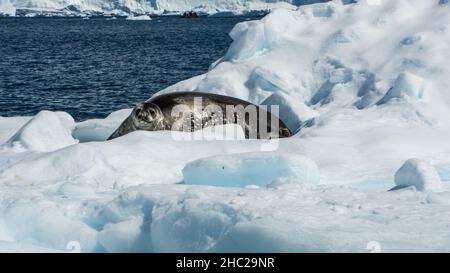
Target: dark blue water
{"type": "Point", "coordinates": [90, 68]}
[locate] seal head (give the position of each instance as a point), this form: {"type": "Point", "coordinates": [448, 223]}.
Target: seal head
{"type": "Point", "coordinates": [147, 116]}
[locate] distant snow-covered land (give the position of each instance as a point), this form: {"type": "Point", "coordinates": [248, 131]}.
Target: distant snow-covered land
{"type": "Point", "coordinates": [366, 82]}
{"type": "Point", "coordinates": [140, 7]}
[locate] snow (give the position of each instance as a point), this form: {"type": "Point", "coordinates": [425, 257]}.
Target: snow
{"type": "Point", "coordinates": [236, 170]}
{"type": "Point", "coordinates": [419, 174]}
{"type": "Point", "coordinates": [365, 84]}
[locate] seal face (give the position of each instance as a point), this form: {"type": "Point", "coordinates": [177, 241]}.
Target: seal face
{"type": "Point", "coordinates": [147, 116]}
{"type": "Point", "coordinates": [191, 111]}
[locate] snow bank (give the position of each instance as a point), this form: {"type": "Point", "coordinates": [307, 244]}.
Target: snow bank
{"type": "Point", "coordinates": [47, 131]}
{"type": "Point", "coordinates": [250, 169]}
{"type": "Point", "coordinates": [418, 173]}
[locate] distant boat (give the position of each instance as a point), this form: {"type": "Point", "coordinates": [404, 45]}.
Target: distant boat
{"type": "Point", "coordinates": [189, 14]}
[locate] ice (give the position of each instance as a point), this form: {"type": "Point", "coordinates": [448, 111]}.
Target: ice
{"type": "Point", "coordinates": [145, 7]}
{"type": "Point", "coordinates": [295, 219]}
{"type": "Point", "coordinates": [47, 131]}
{"type": "Point", "coordinates": [407, 86]}
{"type": "Point", "coordinates": [99, 129]}
{"type": "Point", "coordinates": [124, 236]}
{"type": "Point", "coordinates": [419, 174]}
{"type": "Point", "coordinates": [74, 190]}
{"type": "Point", "coordinates": [139, 18]}
{"type": "Point", "coordinates": [365, 84]}
{"type": "Point", "coordinates": [47, 227]}
{"type": "Point", "coordinates": [6, 7]}
{"type": "Point", "coordinates": [237, 170]}
{"type": "Point", "coordinates": [9, 126]}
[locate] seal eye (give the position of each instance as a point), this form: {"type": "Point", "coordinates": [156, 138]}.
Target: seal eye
{"type": "Point", "coordinates": [152, 113]}
{"type": "Point", "coordinates": [137, 112]}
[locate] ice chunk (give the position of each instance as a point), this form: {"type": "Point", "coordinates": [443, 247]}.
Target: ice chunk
{"type": "Point", "coordinates": [418, 173]}
{"type": "Point", "coordinates": [123, 236]}
{"type": "Point", "coordinates": [47, 131]}
{"type": "Point", "coordinates": [139, 18]}
{"type": "Point", "coordinates": [237, 170]}
{"type": "Point", "coordinates": [406, 86]}
{"type": "Point", "coordinates": [252, 38]}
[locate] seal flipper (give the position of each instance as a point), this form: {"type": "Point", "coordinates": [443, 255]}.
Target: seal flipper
{"type": "Point", "coordinates": [125, 127]}
{"type": "Point", "coordinates": [292, 110]}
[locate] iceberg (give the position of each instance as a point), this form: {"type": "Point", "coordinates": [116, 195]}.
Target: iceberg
{"type": "Point", "coordinates": [145, 7]}
{"type": "Point", "coordinates": [366, 98]}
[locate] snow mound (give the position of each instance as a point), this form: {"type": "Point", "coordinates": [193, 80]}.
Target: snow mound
{"type": "Point", "coordinates": [407, 86]}
{"type": "Point", "coordinates": [420, 174]}
{"type": "Point", "coordinates": [237, 170]}
{"type": "Point", "coordinates": [47, 131]}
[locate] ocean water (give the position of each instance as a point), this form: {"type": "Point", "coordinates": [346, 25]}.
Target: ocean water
{"type": "Point", "coordinates": [90, 68]}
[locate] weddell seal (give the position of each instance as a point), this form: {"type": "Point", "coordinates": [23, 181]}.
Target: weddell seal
{"type": "Point", "coordinates": [191, 111]}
